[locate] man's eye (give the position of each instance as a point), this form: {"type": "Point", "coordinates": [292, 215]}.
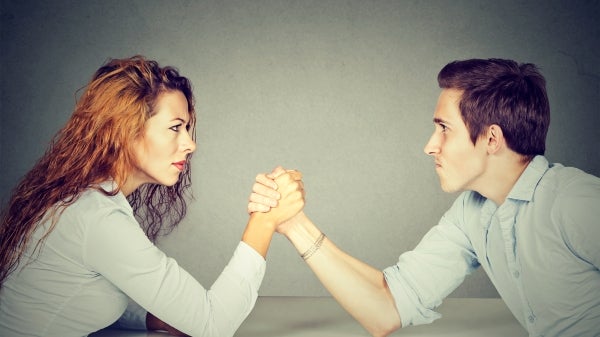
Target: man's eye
{"type": "Point", "coordinates": [444, 127]}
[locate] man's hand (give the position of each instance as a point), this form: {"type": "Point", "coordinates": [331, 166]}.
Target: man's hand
{"type": "Point", "coordinates": [277, 197]}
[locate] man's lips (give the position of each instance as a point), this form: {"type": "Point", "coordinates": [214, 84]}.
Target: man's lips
{"type": "Point", "coordinates": [180, 165]}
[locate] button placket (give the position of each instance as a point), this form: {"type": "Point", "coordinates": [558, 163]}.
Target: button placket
{"type": "Point", "coordinates": [507, 215]}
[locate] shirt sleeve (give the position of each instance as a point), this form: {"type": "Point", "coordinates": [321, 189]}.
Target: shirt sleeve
{"type": "Point", "coordinates": [576, 210]}
{"type": "Point", "coordinates": [423, 277]}
{"type": "Point", "coordinates": [118, 249]}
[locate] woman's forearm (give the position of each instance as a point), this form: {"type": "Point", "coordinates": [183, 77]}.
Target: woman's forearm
{"type": "Point", "coordinates": [258, 233]}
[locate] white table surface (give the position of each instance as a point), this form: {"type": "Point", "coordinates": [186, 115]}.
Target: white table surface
{"type": "Point", "coordinates": [323, 317]}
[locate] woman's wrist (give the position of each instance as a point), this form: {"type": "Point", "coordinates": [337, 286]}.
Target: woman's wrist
{"type": "Point", "coordinates": [258, 233]}
{"type": "Point", "coordinates": [263, 221]}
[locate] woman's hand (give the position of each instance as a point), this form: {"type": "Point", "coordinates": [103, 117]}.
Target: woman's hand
{"type": "Point", "coordinates": [277, 197]}
{"type": "Point", "coordinates": [154, 323]}
{"type": "Point", "coordinates": [280, 196]}
{"type": "Point", "coordinates": [264, 194]}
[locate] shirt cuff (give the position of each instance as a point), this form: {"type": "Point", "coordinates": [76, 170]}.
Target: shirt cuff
{"type": "Point", "coordinates": [410, 309]}
{"type": "Point", "coordinates": [249, 263]}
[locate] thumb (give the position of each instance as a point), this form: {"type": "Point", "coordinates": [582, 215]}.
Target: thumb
{"type": "Point", "coordinates": [276, 172]}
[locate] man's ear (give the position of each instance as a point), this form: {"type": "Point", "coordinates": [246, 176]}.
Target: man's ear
{"type": "Point", "coordinates": [495, 139]}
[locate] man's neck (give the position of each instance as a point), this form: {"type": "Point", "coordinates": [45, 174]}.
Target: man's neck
{"type": "Point", "coordinates": [502, 176]}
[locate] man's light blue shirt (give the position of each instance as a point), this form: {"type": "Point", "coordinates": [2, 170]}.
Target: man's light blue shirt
{"type": "Point", "coordinates": [540, 249]}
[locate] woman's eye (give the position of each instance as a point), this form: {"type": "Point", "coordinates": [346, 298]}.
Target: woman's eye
{"type": "Point", "coordinates": [175, 127]}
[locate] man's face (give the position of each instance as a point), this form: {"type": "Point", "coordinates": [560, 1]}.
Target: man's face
{"type": "Point", "coordinates": [459, 164]}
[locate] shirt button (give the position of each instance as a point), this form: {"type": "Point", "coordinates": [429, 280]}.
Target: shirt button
{"type": "Point", "coordinates": [531, 319]}
{"type": "Point", "coordinates": [516, 274]}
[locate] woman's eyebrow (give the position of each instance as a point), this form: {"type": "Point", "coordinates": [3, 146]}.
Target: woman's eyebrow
{"type": "Point", "coordinates": [179, 119]}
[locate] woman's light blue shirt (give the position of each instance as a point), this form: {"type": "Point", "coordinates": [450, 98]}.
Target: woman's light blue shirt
{"type": "Point", "coordinates": [540, 249]}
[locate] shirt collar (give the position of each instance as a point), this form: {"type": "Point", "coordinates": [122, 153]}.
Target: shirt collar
{"type": "Point", "coordinates": [525, 186]}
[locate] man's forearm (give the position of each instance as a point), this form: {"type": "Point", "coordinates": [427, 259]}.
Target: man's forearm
{"type": "Point", "coordinates": [358, 287]}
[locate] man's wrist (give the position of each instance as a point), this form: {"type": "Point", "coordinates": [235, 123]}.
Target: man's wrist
{"type": "Point", "coordinates": [302, 233]}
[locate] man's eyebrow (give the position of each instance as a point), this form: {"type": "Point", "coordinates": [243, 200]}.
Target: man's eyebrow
{"type": "Point", "coordinates": [440, 121]}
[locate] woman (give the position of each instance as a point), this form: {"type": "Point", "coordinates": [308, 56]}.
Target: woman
{"type": "Point", "coordinates": [73, 253]}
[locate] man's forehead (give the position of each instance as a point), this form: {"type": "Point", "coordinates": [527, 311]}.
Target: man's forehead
{"type": "Point", "coordinates": [452, 94]}
{"type": "Point", "coordinates": [447, 110]}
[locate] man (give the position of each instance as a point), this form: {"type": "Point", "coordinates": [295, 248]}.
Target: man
{"type": "Point", "coordinates": [534, 227]}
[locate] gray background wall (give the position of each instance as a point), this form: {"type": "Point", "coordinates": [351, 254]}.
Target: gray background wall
{"type": "Point", "coordinates": [341, 90]}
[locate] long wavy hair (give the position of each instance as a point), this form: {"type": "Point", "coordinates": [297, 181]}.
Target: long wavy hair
{"type": "Point", "coordinates": [96, 146]}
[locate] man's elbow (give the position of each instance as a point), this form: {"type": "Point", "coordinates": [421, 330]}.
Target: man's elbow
{"type": "Point", "coordinates": [384, 328]}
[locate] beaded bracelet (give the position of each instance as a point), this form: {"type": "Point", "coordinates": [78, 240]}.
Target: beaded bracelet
{"type": "Point", "coordinates": [314, 247]}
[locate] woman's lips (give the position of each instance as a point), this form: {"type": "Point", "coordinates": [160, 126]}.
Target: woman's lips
{"type": "Point", "coordinates": [180, 165]}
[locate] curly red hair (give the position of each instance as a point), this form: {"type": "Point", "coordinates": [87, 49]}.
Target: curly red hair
{"type": "Point", "coordinates": [96, 144]}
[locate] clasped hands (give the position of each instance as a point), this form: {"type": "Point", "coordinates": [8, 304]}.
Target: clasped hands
{"type": "Point", "coordinates": [277, 197]}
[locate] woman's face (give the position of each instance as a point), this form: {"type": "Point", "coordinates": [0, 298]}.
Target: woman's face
{"type": "Point", "coordinates": [162, 151]}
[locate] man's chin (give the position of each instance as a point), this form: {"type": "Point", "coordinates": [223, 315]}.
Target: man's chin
{"type": "Point", "coordinates": [448, 189]}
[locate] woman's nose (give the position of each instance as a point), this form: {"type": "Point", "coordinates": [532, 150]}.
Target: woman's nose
{"type": "Point", "coordinates": [188, 144]}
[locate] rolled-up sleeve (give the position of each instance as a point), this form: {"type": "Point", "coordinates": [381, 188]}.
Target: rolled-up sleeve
{"type": "Point", "coordinates": [423, 277]}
